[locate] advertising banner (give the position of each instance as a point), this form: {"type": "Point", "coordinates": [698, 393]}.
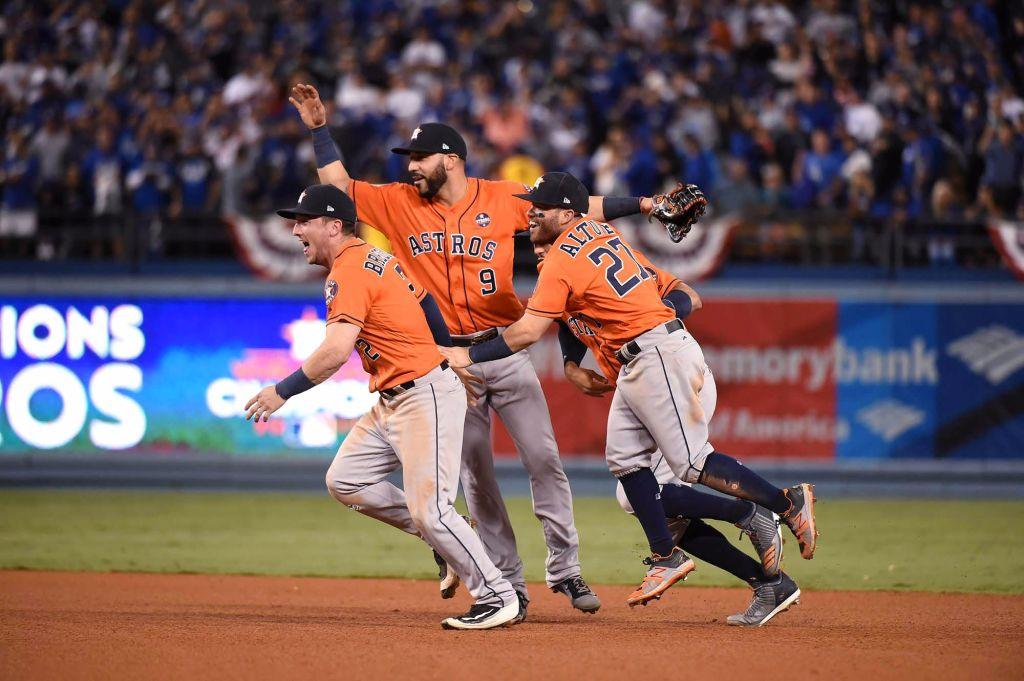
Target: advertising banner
{"type": "Point", "coordinates": [810, 379]}
{"type": "Point", "coordinates": [84, 375]}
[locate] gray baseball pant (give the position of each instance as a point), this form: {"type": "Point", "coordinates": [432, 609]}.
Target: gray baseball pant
{"type": "Point", "coordinates": [421, 431]}
{"type": "Point", "coordinates": [512, 389]}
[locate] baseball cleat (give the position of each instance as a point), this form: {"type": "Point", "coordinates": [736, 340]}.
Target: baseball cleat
{"type": "Point", "coordinates": [770, 598]}
{"type": "Point", "coordinates": [482, 616]}
{"type": "Point", "coordinates": [664, 571]}
{"type": "Point", "coordinates": [800, 518]}
{"type": "Point", "coordinates": [766, 535]}
{"type": "Point", "coordinates": [523, 602]}
{"type": "Point", "coordinates": [449, 580]}
{"type": "Point", "coordinates": [581, 595]}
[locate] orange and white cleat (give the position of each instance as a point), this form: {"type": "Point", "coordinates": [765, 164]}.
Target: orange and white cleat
{"type": "Point", "coordinates": [664, 571]}
{"type": "Point", "coordinates": [800, 518]}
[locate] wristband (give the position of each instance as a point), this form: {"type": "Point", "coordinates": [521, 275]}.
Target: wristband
{"type": "Point", "coordinates": [680, 301]}
{"type": "Point", "coordinates": [293, 384]}
{"type": "Point", "coordinates": [324, 147]}
{"type": "Point", "coordinates": [620, 206]}
{"type": "Point", "coordinates": [488, 351]}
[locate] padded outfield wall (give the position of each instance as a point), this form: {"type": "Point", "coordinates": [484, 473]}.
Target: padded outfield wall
{"type": "Point", "coordinates": [864, 372]}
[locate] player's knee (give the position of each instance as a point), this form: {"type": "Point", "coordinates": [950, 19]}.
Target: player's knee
{"type": "Point", "coordinates": [423, 515]}
{"type": "Point", "coordinates": [341, 489]}
{"type": "Point", "coordinates": [620, 496]}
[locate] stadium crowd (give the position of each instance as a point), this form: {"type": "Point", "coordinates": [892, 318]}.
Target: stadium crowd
{"type": "Point", "coordinates": [177, 109]}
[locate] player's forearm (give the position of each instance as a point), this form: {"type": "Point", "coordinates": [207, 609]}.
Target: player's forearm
{"type": "Point", "coordinates": [573, 349]}
{"type": "Point", "coordinates": [607, 208]}
{"type": "Point", "coordinates": [695, 300]}
{"type": "Point", "coordinates": [519, 336]}
{"type": "Point", "coordinates": [325, 362]}
{"type": "Point", "coordinates": [329, 167]}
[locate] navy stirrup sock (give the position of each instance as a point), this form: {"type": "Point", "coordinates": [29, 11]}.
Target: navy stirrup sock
{"type": "Point", "coordinates": [680, 501]}
{"type": "Point", "coordinates": [726, 474]}
{"type": "Point", "coordinates": [708, 544]}
{"type": "Point", "coordinates": [641, 489]}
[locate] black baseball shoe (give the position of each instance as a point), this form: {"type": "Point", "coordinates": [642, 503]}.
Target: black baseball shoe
{"type": "Point", "coordinates": [523, 602]}
{"type": "Point", "coordinates": [770, 598]}
{"type": "Point", "coordinates": [482, 616]}
{"type": "Point", "coordinates": [581, 595]}
{"type": "Point", "coordinates": [448, 580]}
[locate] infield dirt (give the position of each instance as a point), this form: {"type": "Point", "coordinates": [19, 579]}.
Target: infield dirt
{"type": "Point", "coordinates": [142, 626]}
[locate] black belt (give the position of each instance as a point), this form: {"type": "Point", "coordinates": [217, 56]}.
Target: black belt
{"type": "Point", "coordinates": [396, 390]}
{"type": "Point", "coordinates": [475, 340]}
{"type": "Point", "coordinates": [628, 352]}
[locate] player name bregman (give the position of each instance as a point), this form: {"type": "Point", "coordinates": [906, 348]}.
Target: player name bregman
{"type": "Point", "coordinates": [434, 242]}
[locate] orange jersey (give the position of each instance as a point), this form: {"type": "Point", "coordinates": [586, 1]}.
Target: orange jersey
{"type": "Point", "coordinates": [462, 255]}
{"type": "Point", "coordinates": [592, 274]}
{"type": "Point", "coordinates": [604, 353]}
{"type": "Point", "coordinates": [368, 288]}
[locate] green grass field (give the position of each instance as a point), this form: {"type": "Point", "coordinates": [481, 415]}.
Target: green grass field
{"type": "Point", "coordinates": [920, 545]}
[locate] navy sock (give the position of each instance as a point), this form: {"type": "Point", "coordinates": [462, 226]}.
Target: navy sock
{"type": "Point", "coordinates": [705, 542]}
{"type": "Point", "coordinates": [681, 501]}
{"type": "Point", "coordinates": [726, 474]}
{"type": "Point", "coordinates": [641, 489]}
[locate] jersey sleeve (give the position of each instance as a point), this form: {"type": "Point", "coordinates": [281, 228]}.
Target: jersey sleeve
{"type": "Point", "coordinates": [418, 291]}
{"type": "Point", "coordinates": [352, 295]}
{"type": "Point", "coordinates": [666, 281]}
{"type": "Point", "coordinates": [552, 292]}
{"type": "Point", "coordinates": [373, 201]}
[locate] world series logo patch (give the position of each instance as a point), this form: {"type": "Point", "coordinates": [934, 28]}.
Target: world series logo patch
{"type": "Point", "coordinates": [330, 290]}
{"type": "Point", "coordinates": [482, 219]}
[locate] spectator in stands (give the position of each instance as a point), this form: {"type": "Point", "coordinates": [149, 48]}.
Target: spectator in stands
{"type": "Point", "coordinates": [19, 209]}
{"type": "Point", "coordinates": [919, 87]}
{"type": "Point", "coordinates": [1001, 180]}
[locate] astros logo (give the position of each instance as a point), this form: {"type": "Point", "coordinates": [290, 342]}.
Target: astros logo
{"type": "Point", "coordinates": [330, 290]}
{"type": "Point", "coordinates": [482, 219]}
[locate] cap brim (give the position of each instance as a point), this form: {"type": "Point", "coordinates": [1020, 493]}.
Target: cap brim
{"type": "Point", "coordinates": [292, 213]}
{"type": "Point", "coordinates": [405, 151]}
{"type": "Point", "coordinates": [524, 197]}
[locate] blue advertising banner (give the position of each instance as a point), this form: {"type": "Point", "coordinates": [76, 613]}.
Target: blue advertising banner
{"type": "Point", "coordinates": [932, 381]}
{"type": "Point", "coordinates": [166, 374]}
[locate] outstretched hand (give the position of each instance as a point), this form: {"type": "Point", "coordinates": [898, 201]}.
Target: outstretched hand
{"type": "Point", "coordinates": [263, 404]}
{"type": "Point", "coordinates": [306, 101]}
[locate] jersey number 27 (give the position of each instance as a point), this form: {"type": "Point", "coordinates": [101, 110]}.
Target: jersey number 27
{"type": "Point", "coordinates": [615, 264]}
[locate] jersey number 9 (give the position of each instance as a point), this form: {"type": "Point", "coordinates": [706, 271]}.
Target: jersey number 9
{"type": "Point", "coordinates": [488, 285]}
{"type": "Point", "coordinates": [615, 265]}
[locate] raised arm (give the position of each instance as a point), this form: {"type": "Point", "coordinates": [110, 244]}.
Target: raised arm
{"type": "Point", "coordinates": [607, 208]}
{"type": "Point", "coordinates": [330, 169]}
{"type": "Point", "coordinates": [334, 351]}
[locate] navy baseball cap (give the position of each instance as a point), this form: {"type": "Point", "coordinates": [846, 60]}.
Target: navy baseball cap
{"type": "Point", "coordinates": [559, 189]}
{"type": "Point", "coordinates": [434, 138]}
{"type": "Point", "coordinates": [322, 200]}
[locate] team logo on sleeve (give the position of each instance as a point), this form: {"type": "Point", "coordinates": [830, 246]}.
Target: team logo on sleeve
{"type": "Point", "coordinates": [482, 219]}
{"type": "Point", "coordinates": [330, 290]}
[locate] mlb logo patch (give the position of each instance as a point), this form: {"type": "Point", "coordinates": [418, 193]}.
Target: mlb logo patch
{"type": "Point", "coordinates": [330, 290]}
{"type": "Point", "coordinates": [482, 219]}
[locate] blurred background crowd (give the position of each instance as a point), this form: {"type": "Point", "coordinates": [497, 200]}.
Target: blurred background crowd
{"type": "Point", "coordinates": [128, 122]}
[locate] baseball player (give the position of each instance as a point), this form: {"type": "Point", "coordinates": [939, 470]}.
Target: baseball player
{"type": "Point", "coordinates": [684, 507]}
{"type": "Point", "coordinates": [594, 274]}
{"type": "Point", "coordinates": [454, 235]}
{"type": "Point", "coordinates": [417, 424]}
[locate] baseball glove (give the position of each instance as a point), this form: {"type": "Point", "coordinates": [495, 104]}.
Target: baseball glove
{"type": "Point", "coordinates": [679, 209]}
